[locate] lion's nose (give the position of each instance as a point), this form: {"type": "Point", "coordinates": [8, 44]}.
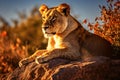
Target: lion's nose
{"type": "Point", "coordinates": [46, 27]}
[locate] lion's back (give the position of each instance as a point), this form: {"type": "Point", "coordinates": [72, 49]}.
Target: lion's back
{"type": "Point", "coordinates": [97, 46]}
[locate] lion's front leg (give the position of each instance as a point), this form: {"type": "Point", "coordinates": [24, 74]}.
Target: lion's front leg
{"type": "Point", "coordinates": [63, 53]}
{"type": "Point", "coordinates": [30, 59]}
{"type": "Point", "coordinates": [42, 58]}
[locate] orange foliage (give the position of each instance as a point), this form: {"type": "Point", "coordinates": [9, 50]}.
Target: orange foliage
{"type": "Point", "coordinates": [108, 24]}
{"type": "Point", "coordinates": [84, 21]}
{"type": "Point", "coordinates": [10, 53]}
{"type": "Point", "coordinates": [19, 40]}
{"type": "Point", "coordinates": [3, 34]}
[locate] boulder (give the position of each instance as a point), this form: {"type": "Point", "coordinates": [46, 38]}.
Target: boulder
{"type": "Point", "coordinates": [96, 68]}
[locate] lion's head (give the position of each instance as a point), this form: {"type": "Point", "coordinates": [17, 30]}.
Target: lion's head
{"type": "Point", "coordinates": [54, 20]}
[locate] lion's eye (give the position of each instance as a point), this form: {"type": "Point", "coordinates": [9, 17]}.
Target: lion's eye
{"type": "Point", "coordinates": [43, 17]}
{"type": "Point", "coordinates": [53, 19]}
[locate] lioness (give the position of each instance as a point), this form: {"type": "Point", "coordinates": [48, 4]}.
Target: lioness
{"type": "Point", "coordinates": [67, 38]}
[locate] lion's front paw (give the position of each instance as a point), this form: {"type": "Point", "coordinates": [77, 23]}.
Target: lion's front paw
{"type": "Point", "coordinates": [40, 59]}
{"type": "Point", "coordinates": [23, 62]}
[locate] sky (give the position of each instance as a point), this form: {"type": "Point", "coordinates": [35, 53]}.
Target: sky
{"type": "Point", "coordinates": [83, 8]}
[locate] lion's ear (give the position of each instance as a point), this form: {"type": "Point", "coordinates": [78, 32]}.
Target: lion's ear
{"type": "Point", "coordinates": [64, 9]}
{"type": "Point", "coordinates": [43, 8]}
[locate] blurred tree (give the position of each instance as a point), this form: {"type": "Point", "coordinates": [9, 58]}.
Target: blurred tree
{"type": "Point", "coordinates": [29, 31]}
{"type": "Point", "coordinates": [3, 21]}
{"type": "Point", "coordinates": [35, 11]}
{"type": "Point", "coordinates": [22, 15]}
{"type": "Point", "coordinates": [17, 41]}
{"type": "Point", "coordinates": [108, 24]}
{"type": "Point", "coordinates": [15, 22]}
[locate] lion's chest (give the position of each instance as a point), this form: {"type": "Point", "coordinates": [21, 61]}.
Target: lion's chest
{"type": "Point", "coordinates": [59, 42]}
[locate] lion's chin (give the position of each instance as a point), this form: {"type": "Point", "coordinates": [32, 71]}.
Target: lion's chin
{"type": "Point", "coordinates": [47, 35]}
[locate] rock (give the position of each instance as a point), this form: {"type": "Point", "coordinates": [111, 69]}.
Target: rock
{"type": "Point", "coordinates": [97, 68]}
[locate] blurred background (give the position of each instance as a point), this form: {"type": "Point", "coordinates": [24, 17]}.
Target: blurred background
{"type": "Point", "coordinates": [20, 26]}
{"type": "Point", "coordinates": [83, 8]}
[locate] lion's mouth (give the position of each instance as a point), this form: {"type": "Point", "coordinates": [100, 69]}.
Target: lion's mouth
{"type": "Point", "coordinates": [53, 33]}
